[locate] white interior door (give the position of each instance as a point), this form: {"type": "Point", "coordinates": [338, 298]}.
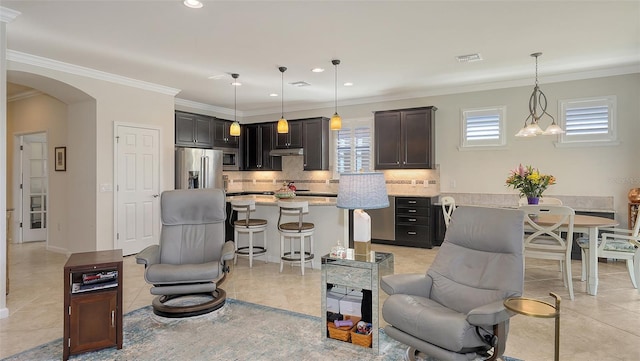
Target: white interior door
{"type": "Point", "coordinates": [137, 188]}
{"type": "Point", "coordinates": [34, 188]}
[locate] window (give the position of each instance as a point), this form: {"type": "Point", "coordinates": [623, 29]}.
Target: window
{"type": "Point", "coordinates": [590, 120]}
{"type": "Point", "coordinates": [483, 127]}
{"type": "Point", "coordinates": [354, 146]}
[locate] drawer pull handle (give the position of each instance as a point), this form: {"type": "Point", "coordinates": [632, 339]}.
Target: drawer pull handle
{"type": "Point", "coordinates": [412, 233]}
{"type": "Point", "coordinates": [113, 318]}
{"type": "Point", "coordinates": [412, 219]}
{"type": "Point", "coordinates": [412, 202]}
{"type": "Point", "coordinates": [412, 211]}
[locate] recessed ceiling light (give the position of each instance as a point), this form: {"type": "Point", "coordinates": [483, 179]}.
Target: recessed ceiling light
{"type": "Point", "coordinates": [348, 84]}
{"type": "Point", "coordinates": [469, 58]}
{"type": "Point", "coordinates": [273, 95]}
{"type": "Point", "coordinates": [194, 4]}
{"type": "Point", "coordinates": [317, 70]}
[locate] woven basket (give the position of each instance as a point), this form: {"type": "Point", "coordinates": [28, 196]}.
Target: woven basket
{"type": "Point", "coordinates": [360, 339]}
{"type": "Point", "coordinates": [342, 333]}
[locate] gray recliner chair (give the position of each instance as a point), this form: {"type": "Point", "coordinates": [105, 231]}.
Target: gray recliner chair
{"type": "Point", "coordinates": [192, 254]}
{"type": "Point", "coordinates": [456, 311]}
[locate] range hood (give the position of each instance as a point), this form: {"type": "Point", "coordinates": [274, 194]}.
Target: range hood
{"type": "Point", "coordinates": [283, 152]}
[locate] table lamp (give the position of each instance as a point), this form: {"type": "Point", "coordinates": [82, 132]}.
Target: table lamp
{"type": "Point", "coordinates": [360, 191]}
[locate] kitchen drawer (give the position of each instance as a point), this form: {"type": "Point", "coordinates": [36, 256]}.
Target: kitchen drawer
{"type": "Point", "coordinates": [413, 211]}
{"type": "Point", "coordinates": [412, 202]}
{"type": "Point", "coordinates": [415, 235]}
{"type": "Point", "coordinates": [350, 276]}
{"type": "Point", "coordinates": [412, 220]}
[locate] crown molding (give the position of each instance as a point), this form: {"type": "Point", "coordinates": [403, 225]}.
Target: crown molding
{"type": "Point", "coordinates": [51, 64]}
{"type": "Point", "coordinates": [8, 15]}
{"type": "Point", "coordinates": [24, 95]}
{"type": "Point", "coordinates": [206, 107]}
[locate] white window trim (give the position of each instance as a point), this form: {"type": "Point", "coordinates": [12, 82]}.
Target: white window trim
{"type": "Point", "coordinates": [500, 143]}
{"type": "Point", "coordinates": [348, 123]}
{"type": "Point", "coordinates": [610, 139]}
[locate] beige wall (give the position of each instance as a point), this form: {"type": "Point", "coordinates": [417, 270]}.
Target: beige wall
{"type": "Point", "coordinates": [90, 149]}
{"type": "Point", "coordinates": [40, 113]}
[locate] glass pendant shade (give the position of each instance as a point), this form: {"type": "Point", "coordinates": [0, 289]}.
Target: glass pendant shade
{"type": "Point", "coordinates": [283, 126]}
{"type": "Point", "coordinates": [553, 129]}
{"type": "Point", "coordinates": [336, 122]}
{"type": "Point", "coordinates": [234, 130]}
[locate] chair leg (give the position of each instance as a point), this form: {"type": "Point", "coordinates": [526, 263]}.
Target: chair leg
{"type": "Point", "coordinates": [264, 244]}
{"type": "Point", "coordinates": [311, 249]}
{"type": "Point", "coordinates": [632, 273]}
{"type": "Point", "coordinates": [568, 278]}
{"type": "Point", "coordinates": [302, 254]}
{"type": "Point", "coordinates": [499, 347]}
{"type": "Point", "coordinates": [250, 249]}
{"type": "Point", "coordinates": [235, 237]}
{"type": "Point", "coordinates": [584, 262]}
{"type": "Point", "coordinates": [281, 251]}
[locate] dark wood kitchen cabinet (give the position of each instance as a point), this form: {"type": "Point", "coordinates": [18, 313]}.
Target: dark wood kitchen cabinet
{"type": "Point", "coordinates": [292, 139]}
{"type": "Point", "coordinates": [315, 141]}
{"type": "Point", "coordinates": [258, 140]}
{"type": "Point", "coordinates": [92, 302]}
{"type": "Point", "coordinates": [193, 130]}
{"type": "Point", "coordinates": [221, 136]}
{"type": "Point", "coordinates": [404, 138]}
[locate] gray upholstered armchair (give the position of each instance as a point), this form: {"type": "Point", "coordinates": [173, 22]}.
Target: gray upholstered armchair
{"type": "Point", "coordinates": [455, 311]}
{"type": "Point", "coordinates": [192, 253]}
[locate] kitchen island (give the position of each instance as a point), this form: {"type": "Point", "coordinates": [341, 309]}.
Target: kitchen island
{"type": "Point", "coordinates": [331, 224]}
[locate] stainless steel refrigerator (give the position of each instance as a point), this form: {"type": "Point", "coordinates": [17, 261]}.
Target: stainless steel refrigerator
{"type": "Point", "coordinates": [198, 168]}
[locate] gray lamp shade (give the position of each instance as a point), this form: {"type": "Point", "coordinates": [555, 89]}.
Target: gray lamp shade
{"type": "Point", "coordinates": [362, 191]}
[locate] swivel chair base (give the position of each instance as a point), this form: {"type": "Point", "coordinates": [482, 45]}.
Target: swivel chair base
{"type": "Point", "coordinates": [219, 297]}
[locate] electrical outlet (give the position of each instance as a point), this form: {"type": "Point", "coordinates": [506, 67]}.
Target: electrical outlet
{"type": "Point", "coordinates": [426, 183]}
{"type": "Point", "coordinates": [274, 181]}
{"type": "Point", "coordinates": [452, 183]}
{"type": "Point", "coordinates": [413, 182]}
{"type": "Point", "coordinates": [254, 181]}
{"type": "Point", "coordinates": [326, 181]}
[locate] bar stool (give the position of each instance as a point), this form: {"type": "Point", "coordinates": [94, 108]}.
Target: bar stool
{"type": "Point", "coordinates": [299, 230]}
{"type": "Point", "coordinates": [249, 226]}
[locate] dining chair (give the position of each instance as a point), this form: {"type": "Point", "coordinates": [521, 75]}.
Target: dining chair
{"type": "Point", "coordinates": [616, 243]}
{"type": "Point", "coordinates": [552, 239]}
{"type": "Point", "coordinates": [543, 200]}
{"type": "Point", "coordinates": [448, 206]}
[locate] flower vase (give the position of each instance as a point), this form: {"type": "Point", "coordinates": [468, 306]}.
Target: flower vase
{"type": "Point", "coordinates": [533, 200]}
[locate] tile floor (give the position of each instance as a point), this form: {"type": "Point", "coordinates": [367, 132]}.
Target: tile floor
{"type": "Point", "coordinates": [605, 327]}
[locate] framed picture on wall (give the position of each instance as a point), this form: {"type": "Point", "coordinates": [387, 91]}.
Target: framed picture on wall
{"type": "Point", "coordinates": [60, 159]}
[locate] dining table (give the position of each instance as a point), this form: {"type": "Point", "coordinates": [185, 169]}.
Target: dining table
{"type": "Point", "coordinates": [588, 225]}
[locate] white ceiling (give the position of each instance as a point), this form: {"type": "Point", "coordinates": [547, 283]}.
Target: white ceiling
{"type": "Point", "coordinates": [388, 49]}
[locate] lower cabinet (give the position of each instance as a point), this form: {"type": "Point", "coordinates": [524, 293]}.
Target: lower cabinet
{"type": "Point", "coordinates": [414, 225]}
{"type": "Point", "coordinates": [92, 302]}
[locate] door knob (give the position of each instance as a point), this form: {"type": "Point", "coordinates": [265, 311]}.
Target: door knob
{"type": "Point", "coordinates": [156, 195]}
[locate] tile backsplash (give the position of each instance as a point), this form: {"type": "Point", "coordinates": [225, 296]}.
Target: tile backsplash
{"type": "Point", "coordinates": [399, 182]}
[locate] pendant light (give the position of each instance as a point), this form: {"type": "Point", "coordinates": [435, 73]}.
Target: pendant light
{"type": "Point", "coordinates": [537, 109]}
{"type": "Point", "coordinates": [234, 130]}
{"type": "Point", "coordinates": [283, 125]}
{"type": "Point", "coordinates": [336, 122]}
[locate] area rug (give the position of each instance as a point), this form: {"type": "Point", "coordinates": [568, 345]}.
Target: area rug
{"type": "Point", "coordinates": [238, 331]}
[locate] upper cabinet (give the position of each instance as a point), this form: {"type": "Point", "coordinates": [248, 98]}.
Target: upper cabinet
{"type": "Point", "coordinates": [221, 136]}
{"type": "Point", "coordinates": [404, 138]}
{"type": "Point", "coordinates": [193, 130]}
{"type": "Point", "coordinates": [292, 139]}
{"type": "Point", "coordinates": [258, 140]}
{"type": "Point", "coordinates": [315, 143]}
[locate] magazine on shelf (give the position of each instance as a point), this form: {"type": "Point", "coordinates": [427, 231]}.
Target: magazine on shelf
{"type": "Point", "coordinates": [79, 287]}
{"type": "Point", "coordinates": [95, 281]}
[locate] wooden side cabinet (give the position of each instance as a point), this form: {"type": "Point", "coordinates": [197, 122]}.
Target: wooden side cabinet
{"type": "Point", "coordinates": [92, 302]}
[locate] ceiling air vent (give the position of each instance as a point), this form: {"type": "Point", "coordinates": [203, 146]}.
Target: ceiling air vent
{"type": "Point", "coordinates": [300, 84]}
{"type": "Point", "coordinates": [469, 58]}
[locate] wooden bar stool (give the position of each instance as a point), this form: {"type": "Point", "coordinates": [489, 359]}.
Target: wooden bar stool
{"type": "Point", "coordinates": [299, 230]}
{"type": "Point", "coordinates": [249, 226]}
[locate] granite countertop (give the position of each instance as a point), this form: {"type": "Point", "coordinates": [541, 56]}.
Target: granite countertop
{"type": "Point", "coordinates": [270, 200]}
